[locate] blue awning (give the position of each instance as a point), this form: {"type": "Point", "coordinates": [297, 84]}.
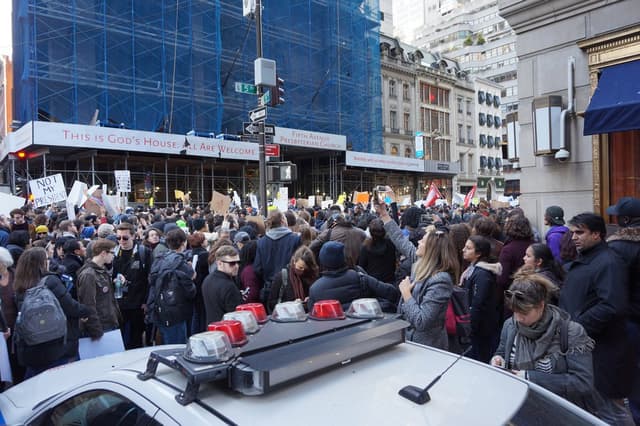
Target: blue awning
{"type": "Point", "coordinates": [615, 105]}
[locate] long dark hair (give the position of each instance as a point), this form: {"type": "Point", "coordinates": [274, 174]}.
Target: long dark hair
{"type": "Point", "coordinates": [32, 266]}
{"type": "Point", "coordinates": [543, 252]}
{"type": "Point", "coordinates": [482, 247]}
{"type": "Point", "coordinates": [247, 254]}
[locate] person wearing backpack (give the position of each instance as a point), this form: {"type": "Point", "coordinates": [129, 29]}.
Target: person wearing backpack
{"type": "Point", "coordinates": [46, 331]}
{"type": "Point", "coordinates": [541, 344]}
{"type": "Point", "coordinates": [294, 281]}
{"type": "Point", "coordinates": [172, 290]}
{"type": "Point", "coordinates": [95, 289]}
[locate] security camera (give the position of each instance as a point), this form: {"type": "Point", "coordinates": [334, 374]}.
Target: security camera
{"type": "Point", "coordinates": [562, 155]}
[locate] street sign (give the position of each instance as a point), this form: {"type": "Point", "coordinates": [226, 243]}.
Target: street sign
{"type": "Point", "coordinates": [269, 129]}
{"type": "Point", "coordinates": [258, 114]}
{"type": "Point", "coordinates": [266, 98]}
{"type": "Point", "coordinates": [272, 150]}
{"type": "Point", "coordinates": [246, 88]}
{"type": "Point", "coordinates": [249, 128]}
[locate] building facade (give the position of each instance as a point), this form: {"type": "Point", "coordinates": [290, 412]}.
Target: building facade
{"type": "Point", "coordinates": [561, 54]}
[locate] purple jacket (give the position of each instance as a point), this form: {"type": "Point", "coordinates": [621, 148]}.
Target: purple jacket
{"type": "Point", "coordinates": [553, 238]}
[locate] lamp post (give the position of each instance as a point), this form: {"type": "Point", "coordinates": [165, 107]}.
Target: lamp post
{"type": "Point", "coordinates": [261, 156]}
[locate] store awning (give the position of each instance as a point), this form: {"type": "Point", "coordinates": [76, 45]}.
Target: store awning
{"type": "Point", "coordinates": [615, 105]}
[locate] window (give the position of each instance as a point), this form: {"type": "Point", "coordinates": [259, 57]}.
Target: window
{"type": "Point", "coordinates": [97, 408]}
{"type": "Point", "coordinates": [460, 105]}
{"type": "Point", "coordinates": [394, 150]}
{"type": "Point", "coordinates": [469, 135]}
{"type": "Point", "coordinates": [408, 152]}
{"type": "Point", "coordinates": [469, 106]}
{"type": "Point", "coordinates": [405, 92]}
{"type": "Point", "coordinates": [460, 133]}
{"type": "Point", "coordinates": [481, 118]}
{"type": "Point", "coordinates": [481, 97]}
{"type": "Point", "coordinates": [406, 118]}
{"type": "Point", "coordinates": [434, 95]}
{"type": "Point", "coordinates": [471, 168]}
{"type": "Point", "coordinates": [393, 120]}
{"type": "Point", "coordinates": [392, 88]}
{"type": "Point", "coordinates": [461, 160]}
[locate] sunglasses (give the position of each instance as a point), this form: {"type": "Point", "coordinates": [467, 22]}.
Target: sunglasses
{"type": "Point", "coordinates": [511, 294]}
{"type": "Point", "coordinates": [122, 237]}
{"type": "Point", "coordinates": [230, 262]}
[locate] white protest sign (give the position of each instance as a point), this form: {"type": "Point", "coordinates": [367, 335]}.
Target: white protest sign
{"type": "Point", "coordinates": [254, 201]}
{"type": "Point", "coordinates": [282, 199]}
{"type": "Point", "coordinates": [236, 199]}
{"type": "Point", "coordinates": [48, 190]}
{"type": "Point", "coordinates": [123, 180]}
{"type": "Point", "coordinates": [9, 202]}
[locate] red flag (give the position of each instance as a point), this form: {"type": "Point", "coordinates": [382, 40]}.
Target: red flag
{"type": "Point", "coordinates": [433, 195]}
{"type": "Point", "coordinates": [469, 196]}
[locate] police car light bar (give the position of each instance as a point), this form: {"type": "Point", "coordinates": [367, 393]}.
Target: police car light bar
{"type": "Point", "coordinates": [282, 352]}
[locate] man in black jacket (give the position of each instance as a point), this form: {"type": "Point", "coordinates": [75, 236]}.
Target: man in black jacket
{"type": "Point", "coordinates": [626, 244]}
{"type": "Point", "coordinates": [595, 295]}
{"type": "Point", "coordinates": [219, 290]}
{"type": "Point", "coordinates": [339, 282]}
{"type": "Point", "coordinates": [131, 265]}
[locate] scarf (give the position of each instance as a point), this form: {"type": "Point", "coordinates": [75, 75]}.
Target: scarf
{"type": "Point", "coordinates": [534, 342]}
{"type": "Point", "coordinates": [295, 278]}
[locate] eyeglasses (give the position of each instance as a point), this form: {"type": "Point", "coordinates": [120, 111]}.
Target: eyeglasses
{"type": "Point", "coordinates": [122, 237]}
{"type": "Point", "coordinates": [230, 262]}
{"type": "Point", "coordinates": [517, 294]}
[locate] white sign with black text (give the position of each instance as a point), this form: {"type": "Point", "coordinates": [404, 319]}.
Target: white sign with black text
{"type": "Point", "coordinates": [48, 190]}
{"type": "Point", "coordinates": [123, 180]}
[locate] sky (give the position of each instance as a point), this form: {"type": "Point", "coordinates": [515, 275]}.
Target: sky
{"type": "Point", "coordinates": [5, 27]}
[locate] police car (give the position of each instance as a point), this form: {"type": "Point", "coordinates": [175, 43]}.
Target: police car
{"type": "Point", "coordinates": [330, 368]}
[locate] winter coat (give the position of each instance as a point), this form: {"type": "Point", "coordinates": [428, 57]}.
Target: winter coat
{"type": "Point", "coordinates": [95, 289]}
{"type": "Point", "coordinates": [554, 238]}
{"type": "Point", "coordinates": [426, 310]}
{"type": "Point", "coordinates": [183, 310]}
{"type": "Point", "coordinates": [626, 244]}
{"type": "Point", "coordinates": [45, 353]}
{"type": "Point", "coordinates": [288, 294]}
{"type": "Point", "coordinates": [4, 236]}
{"type": "Point", "coordinates": [484, 298]}
{"type": "Point", "coordinates": [274, 252]}
{"type": "Point", "coordinates": [511, 259]}
{"type": "Point", "coordinates": [135, 266]}
{"type": "Point", "coordinates": [345, 286]}
{"type": "Point", "coordinates": [595, 295]}
{"type": "Point", "coordinates": [251, 284]}
{"type": "Point", "coordinates": [571, 375]}
{"type": "Point", "coordinates": [220, 295]}
{"type": "Point", "coordinates": [379, 260]}
{"type": "Point", "coordinates": [352, 237]}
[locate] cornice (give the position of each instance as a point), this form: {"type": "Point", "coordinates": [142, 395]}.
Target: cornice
{"type": "Point", "coordinates": [613, 48]}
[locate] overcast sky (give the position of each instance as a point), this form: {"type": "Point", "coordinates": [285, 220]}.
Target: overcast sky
{"type": "Point", "coordinates": [5, 27]}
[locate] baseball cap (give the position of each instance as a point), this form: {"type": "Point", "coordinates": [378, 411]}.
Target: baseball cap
{"type": "Point", "coordinates": [555, 215]}
{"type": "Point", "coordinates": [626, 206]}
{"type": "Point", "coordinates": [241, 237]}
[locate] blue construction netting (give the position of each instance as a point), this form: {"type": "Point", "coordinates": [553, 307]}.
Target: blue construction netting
{"type": "Point", "coordinates": [171, 65]}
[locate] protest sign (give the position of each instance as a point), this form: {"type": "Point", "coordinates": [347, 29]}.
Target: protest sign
{"type": "Point", "coordinates": [220, 203]}
{"type": "Point", "coordinates": [48, 190]}
{"type": "Point", "coordinates": [123, 180]}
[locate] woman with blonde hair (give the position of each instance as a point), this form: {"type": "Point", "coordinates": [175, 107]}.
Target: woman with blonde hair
{"type": "Point", "coordinates": [426, 294]}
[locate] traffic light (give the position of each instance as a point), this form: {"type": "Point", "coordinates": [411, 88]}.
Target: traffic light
{"type": "Point", "coordinates": [277, 92]}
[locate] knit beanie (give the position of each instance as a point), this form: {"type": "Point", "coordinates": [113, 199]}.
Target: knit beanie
{"type": "Point", "coordinates": [332, 255]}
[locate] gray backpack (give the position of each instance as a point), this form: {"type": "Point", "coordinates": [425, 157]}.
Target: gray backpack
{"type": "Point", "coordinates": [41, 318]}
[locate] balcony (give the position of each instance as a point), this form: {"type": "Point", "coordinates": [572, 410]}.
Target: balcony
{"type": "Point", "coordinates": [396, 131]}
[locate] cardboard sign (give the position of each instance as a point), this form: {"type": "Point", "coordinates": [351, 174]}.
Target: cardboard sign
{"type": "Point", "coordinates": [48, 190]}
{"type": "Point", "coordinates": [495, 204]}
{"type": "Point", "coordinates": [178, 194]}
{"type": "Point", "coordinates": [302, 203]}
{"type": "Point", "coordinates": [123, 180]}
{"type": "Point", "coordinates": [220, 203]}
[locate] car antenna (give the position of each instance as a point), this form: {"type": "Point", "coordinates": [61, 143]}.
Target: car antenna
{"type": "Point", "coordinates": [421, 396]}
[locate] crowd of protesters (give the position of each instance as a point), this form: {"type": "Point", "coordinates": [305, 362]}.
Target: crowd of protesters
{"type": "Point", "coordinates": [561, 310]}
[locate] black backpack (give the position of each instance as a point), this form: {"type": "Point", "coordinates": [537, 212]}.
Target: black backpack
{"type": "Point", "coordinates": [41, 318]}
{"type": "Point", "coordinates": [170, 299]}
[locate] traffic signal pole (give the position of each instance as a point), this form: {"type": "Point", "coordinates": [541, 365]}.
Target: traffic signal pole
{"type": "Point", "coordinates": [262, 161]}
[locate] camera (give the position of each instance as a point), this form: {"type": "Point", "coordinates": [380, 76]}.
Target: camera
{"type": "Point", "coordinates": [562, 155]}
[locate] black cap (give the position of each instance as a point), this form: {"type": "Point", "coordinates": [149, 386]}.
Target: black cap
{"type": "Point", "coordinates": [626, 206]}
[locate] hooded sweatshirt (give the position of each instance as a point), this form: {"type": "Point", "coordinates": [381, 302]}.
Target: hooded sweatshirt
{"type": "Point", "coordinates": [274, 252]}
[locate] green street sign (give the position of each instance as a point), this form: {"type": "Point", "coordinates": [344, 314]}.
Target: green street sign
{"type": "Point", "coordinates": [266, 98]}
{"type": "Point", "coordinates": [246, 88]}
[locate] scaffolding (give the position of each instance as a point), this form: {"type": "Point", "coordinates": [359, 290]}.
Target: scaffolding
{"type": "Point", "coordinates": [170, 65]}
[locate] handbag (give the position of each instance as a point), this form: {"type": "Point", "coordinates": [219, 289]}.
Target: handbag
{"type": "Point", "coordinates": [458, 316]}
